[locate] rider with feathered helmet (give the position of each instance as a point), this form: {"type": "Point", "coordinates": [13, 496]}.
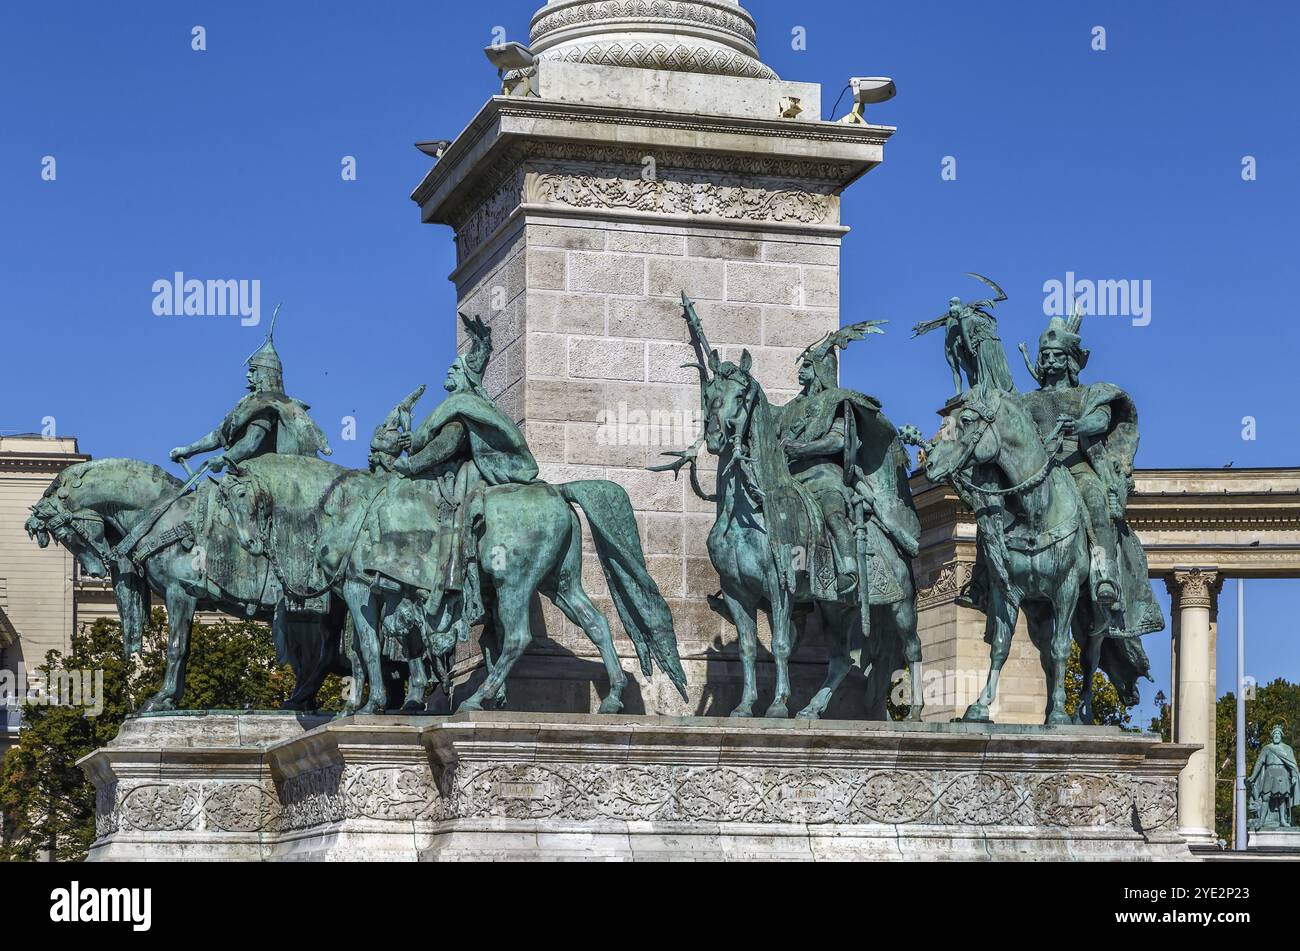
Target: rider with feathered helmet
{"type": "Point", "coordinates": [840, 446]}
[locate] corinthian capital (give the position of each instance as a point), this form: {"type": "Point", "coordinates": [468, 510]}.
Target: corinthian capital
{"type": "Point", "coordinates": [1195, 587]}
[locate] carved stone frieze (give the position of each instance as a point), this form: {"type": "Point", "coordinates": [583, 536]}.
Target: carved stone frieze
{"type": "Point", "coordinates": [945, 585]}
{"type": "Point", "coordinates": [812, 795]}
{"type": "Point", "coordinates": [714, 196]}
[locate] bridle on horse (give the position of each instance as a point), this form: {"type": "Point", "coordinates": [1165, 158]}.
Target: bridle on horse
{"type": "Point", "coordinates": [59, 519]}
{"type": "Point", "coordinates": [987, 415]}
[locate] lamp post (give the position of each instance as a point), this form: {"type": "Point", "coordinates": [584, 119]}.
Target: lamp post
{"type": "Point", "coordinates": [1239, 788]}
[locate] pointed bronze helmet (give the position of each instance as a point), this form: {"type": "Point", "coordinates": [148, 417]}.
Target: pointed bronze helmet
{"type": "Point", "coordinates": [267, 359]}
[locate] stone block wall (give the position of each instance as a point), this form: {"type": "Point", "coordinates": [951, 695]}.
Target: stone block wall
{"type": "Point", "coordinates": [589, 345]}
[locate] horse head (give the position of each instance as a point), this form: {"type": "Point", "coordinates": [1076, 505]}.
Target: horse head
{"type": "Point", "coordinates": [730, 395]}
{"type": "Point", "coordinates": [65, 515]}
{"type": "Point", "coordinates": [248, 506]}
{"type": "Point", "coordinates": [967, 438]}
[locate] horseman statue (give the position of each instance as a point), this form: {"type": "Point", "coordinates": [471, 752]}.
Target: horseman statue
{"type": "Point", "coordinates": [838, 445]}
{"type": "Point", "coordinates": [266, 420]}
{"type": "Point", "coordinates": [813, 515]}
{"type": "Point", "coordinates": [1098, 440]}
{"type": "Point", "coordinates": [1048, 475]}
{"type": "Point", "coordinates": [424, 527]}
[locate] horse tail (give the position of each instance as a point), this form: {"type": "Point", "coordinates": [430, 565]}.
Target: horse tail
{"type": "Point", "coordinates": [641, 607]}
{"type": "Point", "coordinates": [1124, 661]}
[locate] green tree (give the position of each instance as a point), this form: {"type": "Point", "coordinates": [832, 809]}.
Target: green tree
{"type": "Point", "coordinates": [46, 802]}
{"type": "Point", "coordinates": [1107, 710]}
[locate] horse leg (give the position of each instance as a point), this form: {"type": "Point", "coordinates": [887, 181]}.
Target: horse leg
{"type": "Point", "coordinates": [180, 618]}
{"type": "Point", "coordinates": [1000, 628]}
{"type": "Point", "coordinates": [1089, 630]}
{"type": "Point", "coordinates": [902, 620]}
{"type": "Point", "coordinates": [835, 624]}
{"type": "Point", "coordinates": [1067, 597]}
{"type": "Point", "coordinates": [744, 614]}
{"type": "Point", "coordinates": [365, 641]}
{"type": "Point", "coordinates": [782, 644]}
{"type": "Point", "coordinates": [512, 611]}
{"type": "Point", "coordinates": [572, 600]}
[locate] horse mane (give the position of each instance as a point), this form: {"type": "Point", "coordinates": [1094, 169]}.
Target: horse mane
{"type": "Point", "coordinates": [769, 464]}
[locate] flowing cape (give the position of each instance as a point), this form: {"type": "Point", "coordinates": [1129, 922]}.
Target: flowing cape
{"type": "Point", "coordinates": [498, 447]}
{"type": "Point", "coordinates": [1111, 454]}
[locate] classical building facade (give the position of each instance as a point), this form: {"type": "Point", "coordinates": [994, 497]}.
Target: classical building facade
{"type": "Point", "coordinates": [38, 604]}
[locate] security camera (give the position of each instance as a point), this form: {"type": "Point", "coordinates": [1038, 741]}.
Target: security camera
{"type": "Point", "coordinates": [868, 89]}
{"type": "Point", "coordinates": [508, 56]}
{"type": "Point", "coordinates": [434, 147]}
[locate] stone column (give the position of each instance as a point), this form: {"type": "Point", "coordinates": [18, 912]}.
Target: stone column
{"type": "Point", "coordinates": [1195, 593]}
{"type": "Point", "coordinates": [651, 152]}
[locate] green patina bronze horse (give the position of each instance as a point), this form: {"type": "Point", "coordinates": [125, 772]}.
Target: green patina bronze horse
{"type": "Point", "coordinates": [91, 507]}
{"type": "Point", "coordinates": [769, 545]}
{"type": "Point", "coordinates": [529, 541]}
{"type": "Point", "coordinates": [1031, 535]}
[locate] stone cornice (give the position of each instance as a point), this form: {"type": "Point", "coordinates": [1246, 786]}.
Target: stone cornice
{"type": "Point", "coordinates": [38, 463]}
{"type": "Point", "coordinates": [820, 148]}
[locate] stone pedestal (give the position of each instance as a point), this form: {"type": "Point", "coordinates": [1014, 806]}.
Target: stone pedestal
{"type": "Point", "coordinates": [189, 786]}
{"type": "Point", "coordinates": [551, 786]}
{"type": "Point", "coordinates": [654, 154]}
{"type": "Point", "coordinates": [1274, 840]}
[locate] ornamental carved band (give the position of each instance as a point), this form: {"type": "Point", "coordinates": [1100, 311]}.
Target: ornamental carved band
{"type": "Point", "coordinates": [720, 197]}
{"type": "Point", "coordinates": [548, 20]}
{"type": "Point", "coordinates": [1195, 588]}
{"type": "Point", "coordinates": [648, 792]}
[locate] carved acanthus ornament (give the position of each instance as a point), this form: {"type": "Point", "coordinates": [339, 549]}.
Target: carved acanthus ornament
{"type": "Point", "coordinates": [1195, 587]}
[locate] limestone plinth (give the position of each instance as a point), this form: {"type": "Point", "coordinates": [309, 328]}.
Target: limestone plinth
{"type": "Point", "coordinates": [580, 786]}
{"type": "Point", "coordinates": [1274, 840]}
{"type": "Point", "coordinates": [657, 155]}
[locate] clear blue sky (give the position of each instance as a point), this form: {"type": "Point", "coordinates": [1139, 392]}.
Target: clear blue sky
{"type": "Point", "coordinates": [1122, 164]}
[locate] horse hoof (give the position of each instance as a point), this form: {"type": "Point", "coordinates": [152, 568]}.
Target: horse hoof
{"type": "Point", "coordinates": [808, 713]}
{"type": "Point", "coordinates": [610, 704]}
{"type": "Point", "coordinates": [741, 713]}
{"type": "Point", "coordinates": [777, 711]}
{"type": "Point", "coordinates": [156, 705]}
{"type": "Point", "coordinates": [976, 713]}
{"type": "Point", "coordinates": [412, 706]}
{"type": "Point", "coordinates": [1058, 718]}
{"type": "Point", "coordinates": [471, 706]}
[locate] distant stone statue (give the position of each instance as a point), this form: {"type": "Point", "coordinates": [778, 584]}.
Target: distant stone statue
{"type": "Point", "coordinates": [1274, 785]}
{"type": "Point", "coordinates": [971, 344]}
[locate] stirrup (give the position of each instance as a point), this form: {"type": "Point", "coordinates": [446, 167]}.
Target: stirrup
{"type": "Point", "coordinates": [1107, 592]}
